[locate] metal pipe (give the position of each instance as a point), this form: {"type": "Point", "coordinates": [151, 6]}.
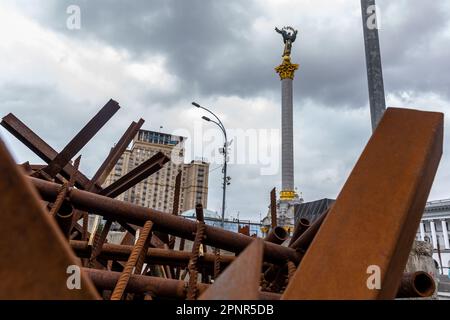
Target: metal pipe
{"type": "Point", "coordinates": [64, 221]}
{"type": "Point", "coordinates": [277, 235]}
{"type": "Point", "coordinates": [302, 226]}
{"type": "Point", "coordinates": [416, 285]}
{"type": "Point", "coordinates": [155, 286]}
{"type": "Point", "coordinates": [303, 242]}
{"type": "Point", "coordinates": [164, 222]}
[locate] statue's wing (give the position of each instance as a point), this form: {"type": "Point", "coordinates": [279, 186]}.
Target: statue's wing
{"type": "Point", "coordinates": [294, 35]}
{"type": "Point", "coordinates": [277, 30]}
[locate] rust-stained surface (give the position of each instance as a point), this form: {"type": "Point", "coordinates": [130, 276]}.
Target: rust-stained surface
{"type": "Point", "coordinates": [277, 235]}
{"type": "Point", "coordinates": [376, 215]}
{"type": "Point", "coordinates": [273, 208]}
{"type": "Point", "coordinates": [35, 255]}
{"type": "Point", "coordinates": [302, 225]}
{"type": "Point", "coordinates": [157, 255]}
{"type": "Point", "coordinates": [416, 285]}
{"type": "Point", "coordinates": [141, 172]}
{"type": "Point", "coordinates": [112, 158]}
{"type": "Point", "coordinates": [24, 134]}
{"type": "Point", "coordinates": [165, 222]}
{"type": "Point", "coordinates": [240, 281]}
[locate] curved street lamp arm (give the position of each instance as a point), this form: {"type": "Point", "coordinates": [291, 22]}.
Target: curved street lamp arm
{"type": "Point", "coordinates": [221, 128]}
{"type": "Point", "coordinates": [220, 124]}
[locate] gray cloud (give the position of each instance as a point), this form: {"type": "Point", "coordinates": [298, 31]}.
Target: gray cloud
{"type": "Point", "coordinates": [213, 49]}
{"type": "Point", "coordinates": [224, 49]}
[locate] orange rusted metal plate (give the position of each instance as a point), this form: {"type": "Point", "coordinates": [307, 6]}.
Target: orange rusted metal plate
{"type": "Point", "coordinates": [34, 254]}
{"type": "Point", "coordinates": [375, 218]}
{"type": "Point", "coordinates": [240, 280]}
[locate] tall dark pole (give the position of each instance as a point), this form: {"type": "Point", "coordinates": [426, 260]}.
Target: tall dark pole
{"type": "Point", "coordinates": [225, 157]}
{"type": "Point", "coordinates": [373, 61]}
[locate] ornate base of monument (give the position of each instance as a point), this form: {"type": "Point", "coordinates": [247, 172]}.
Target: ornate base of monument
{"type": "Point", "coordinates": [288, 195]}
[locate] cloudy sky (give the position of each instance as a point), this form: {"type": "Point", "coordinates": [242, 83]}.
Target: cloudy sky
{"type": "Point", "coordinates": [156, 57]}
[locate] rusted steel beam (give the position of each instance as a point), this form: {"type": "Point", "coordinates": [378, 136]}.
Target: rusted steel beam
{"type": "Point", "coordinates": [164, 222]}
{"type": "Point", "coordinates": [302, 225]}
{"type": "Point", "coordinates": [373, 223]}
{"type": "Point", "coordinates": [277, 235]}
{"type": "Point", "coordinates": [82, 138]}
{"type": "Point", "coordinates": [273, 207]}
{"type": "Point", "coordinates": [26, 167]}
{"type": "Point", "coordinates": [240, 281]}
{"type": "Point", "coordinates": [35, 255]}
{"type": "Point", "coordinates": [416, 285]}
{"type": "Point", "coordinates": [141, 172]}
{"type": "Point", "coordinates": [40, 147]}
{"type": "Point", "coordinates": [36, 167]}
{"type": "Point", "coordinates": [116, 152]}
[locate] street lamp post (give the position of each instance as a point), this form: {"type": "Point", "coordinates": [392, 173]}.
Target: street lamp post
{"type": "Point", "coordinates": [225, 156]}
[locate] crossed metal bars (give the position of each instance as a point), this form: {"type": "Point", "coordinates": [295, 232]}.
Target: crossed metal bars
{"type": "Point", "coordinates": [381, 204]}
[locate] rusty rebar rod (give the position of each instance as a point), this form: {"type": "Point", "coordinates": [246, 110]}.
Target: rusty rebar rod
{"type": "Point", "coordinates": [131, 263]}
{"type": "Point", "coordinates": [98, 243]}
{"type": "Point", "coordinates": [193, 262]}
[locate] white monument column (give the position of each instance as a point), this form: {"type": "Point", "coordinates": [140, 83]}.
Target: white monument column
{"type": "Point", "coordinates": [286, 71]}
{"type": "Point", "coordinates": [433, 234]}
{"type": "Point", "coordinates": [422, 232]}
{"type": "Point", "coordinates": [445, 233]}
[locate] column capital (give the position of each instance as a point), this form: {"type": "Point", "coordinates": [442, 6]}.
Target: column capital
{"type": "Point", "coordinates": [286, 69]}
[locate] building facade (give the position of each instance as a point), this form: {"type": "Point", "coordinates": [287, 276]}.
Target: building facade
{"type": "Point", "coordinates": [195, 186]}
{"type": "Point", "coordinates": [158, 190]}
{"type": "Point", "coordinates": [434, 228]}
